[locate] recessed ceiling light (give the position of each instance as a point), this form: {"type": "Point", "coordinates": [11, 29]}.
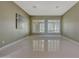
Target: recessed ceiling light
{"type": "Point", "coordinates": [34, 6]}
{"type": "Point", "coordinates": [57, 6]}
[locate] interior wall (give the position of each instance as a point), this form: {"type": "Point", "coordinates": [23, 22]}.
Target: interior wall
{"type": "Point", "coordinates": [44, 18]}
{"type": "Point", "coordinates": [70, 23]}
{"type": "Point", "coordinates": [8, 31]}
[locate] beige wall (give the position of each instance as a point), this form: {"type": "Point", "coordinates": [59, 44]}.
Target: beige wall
{"type": "Point", "coordinates": [45, 17]}
{"type": "Point", "coordinates": [8, 31]}
{"type": "Point", "coordinates": [70, 23]}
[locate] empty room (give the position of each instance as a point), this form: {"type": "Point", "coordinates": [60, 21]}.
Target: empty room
{"type": "Point", "coordinates": [39, 29]}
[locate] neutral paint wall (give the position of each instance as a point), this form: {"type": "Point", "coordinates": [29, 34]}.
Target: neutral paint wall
{"type": "Point", "coordinates": [70, 23]}
{"type": "Point", "coordinates": [44, 18]}
{"type": "Point", "coordinates": [8, 31]}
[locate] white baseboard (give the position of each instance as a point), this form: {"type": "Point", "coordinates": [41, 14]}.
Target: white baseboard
{"type": "Point", "coordinates": [11, 44]}
{"type": "Point", "coordinates": [71, 40]}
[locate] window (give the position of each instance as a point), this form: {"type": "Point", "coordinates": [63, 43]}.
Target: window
{"type": "Point", "coordinates": [45, 26]}
{"type": "Point", "coordinates": [38, 26]}
{"type": "Point", "coordinates": [53, 26]}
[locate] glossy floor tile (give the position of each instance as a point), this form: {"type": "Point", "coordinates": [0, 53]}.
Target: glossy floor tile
{"type": "Point", "coordinates": [40, 46]}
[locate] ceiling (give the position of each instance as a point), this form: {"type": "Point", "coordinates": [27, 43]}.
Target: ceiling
{"type": "Point", "coordinates": [46, 8]}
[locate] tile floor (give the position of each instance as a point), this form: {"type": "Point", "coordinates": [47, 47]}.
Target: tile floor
{"type": "Point", "coordinates": [40, 46]}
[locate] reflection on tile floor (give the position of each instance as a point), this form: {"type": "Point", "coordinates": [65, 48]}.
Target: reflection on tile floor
{"type": "Point", "coordinates": [42, 47]}
{"type": "Point", "coordinates": [52, 45]}
{"type": "Point", "coordinates": [38, 45]}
